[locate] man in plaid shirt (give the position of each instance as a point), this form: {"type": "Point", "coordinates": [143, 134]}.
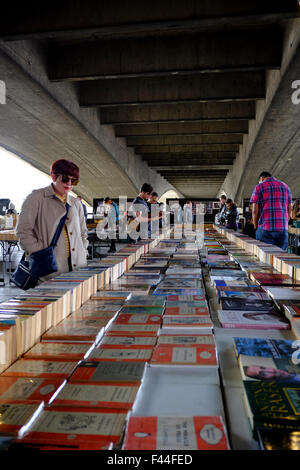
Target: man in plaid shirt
{"type": "Point", "coordinates": [272, 205]}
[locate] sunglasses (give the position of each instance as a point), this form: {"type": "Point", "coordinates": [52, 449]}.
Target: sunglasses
{"type": "Point", "coordinates": [66, 179]}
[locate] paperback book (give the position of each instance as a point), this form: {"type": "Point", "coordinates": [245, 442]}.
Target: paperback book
{"type": "Point", "coordinates": [176, 355]}
{"type": "Point", "coordinates": [58, 351]}
{"type": "Point", "coordinates": [144, 301]}
{"type": "Point", "coordinates": [276, 369]}
{"type": "Point", "coordinates": [175, 433]}
{"type": "Point", "coordinates": [79, 428]}
{"type": "Point", "coordinates": [22, 389]}
{"type": "Point", "coordinates": [185, 321]}
{"type": "Point", "coordinates": [17, 417]}
{"type": "Point", "coordinates": [251, 319]}
{"type": "Point", "coordinates": [185, 339]}
{"type": "Point", "coordinates": [248, 304]}
{"type": "Point", "coordinates": [120, 354]}
{"type": "Point", "coordinates": [86, 395]}
{"type": "Point", "coordinates": [40, 368]}
{"type": "Point", "coordinates": [128, 342]}
{"type": "Point", "coordinates": [116, 372]}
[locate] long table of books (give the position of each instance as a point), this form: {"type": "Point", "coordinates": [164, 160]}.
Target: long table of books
{"type": "Point", "coordinates": [164, 345]}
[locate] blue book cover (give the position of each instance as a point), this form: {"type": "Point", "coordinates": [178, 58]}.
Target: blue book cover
{"type": "Point", "coordinates": [264, 347]}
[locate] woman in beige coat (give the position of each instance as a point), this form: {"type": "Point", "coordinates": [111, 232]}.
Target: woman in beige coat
{"type": "Point", "coordinates": [40, 215]}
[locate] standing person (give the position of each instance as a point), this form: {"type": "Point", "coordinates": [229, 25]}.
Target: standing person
{"type": "Point", "coordinates": [155, 215]}
{"type": "Point", "coordinates": [112, 215]}
{"type": "Point", "coordinates": [84, 207]}
{"type": "Point", "coordinates": [41, 213]}
{"type": "Point", "coordinates": [272, 205]}
{"type": "Point", "coordinates": [219, 218]}
{"type": "Point", "coordinates": [140, 211]}
{"type": "Point", "coordinates": [231, 215]}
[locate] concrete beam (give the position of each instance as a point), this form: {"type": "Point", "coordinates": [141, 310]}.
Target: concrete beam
{"type": "Point", "coordinates": [111, 17]}
{"type": "Point", "coordinates": [228, 86]}
{"type": "Point", "coordinates": [152, 149]}
{"type": "Point", "coordinates": [157, 55]}
{"type": "Point", "coordinates": [185, 139]}
{"type": "Point", "coordinates": [204, 127]}
{"type": "Point", "coordinates": [164, 169]}
{"type": "Point", "coordinates": [177, 112]}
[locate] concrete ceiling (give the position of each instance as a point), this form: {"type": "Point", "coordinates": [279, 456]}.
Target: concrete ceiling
{"type": "Point", "coordinates": [179, 81]}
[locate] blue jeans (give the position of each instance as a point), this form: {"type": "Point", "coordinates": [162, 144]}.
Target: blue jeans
{"type": "Point", "coordinates": [273, 238]}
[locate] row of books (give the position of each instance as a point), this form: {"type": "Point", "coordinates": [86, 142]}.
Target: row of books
{"type": "Point", "coordinates": [269, 368]}
{"type": "Point", "coordinates": [88, 370]}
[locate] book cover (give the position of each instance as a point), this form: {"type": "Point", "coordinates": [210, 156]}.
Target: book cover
{"type": "Point", "coordinates": [58, 351]}
{"type": "Point", "coordinates": [273, 279]}
{"type": "Point", "coordinates": [251, 319]}
{"type": "Point", "coordinates": [132, 330]}
{"type": "Point", "coordinates": [278, 439]}
{"type": "Point", "coordinates": [120, 354]}
{"type": "Point", "coordinates": [248, 304]}
{"type": "Point", "coordinates": [283, 293]}
{"type": "Point", "coordinates": [182, 283]}
{"type": "Point", "coordinates": [177, 291]}
{"type": "Point", "coordinates": [130, 342]}
{"type": "Point", "coordinates": [144, 301]}
{"type": "Point", "coordinates": [17, 417]}
{"type": "Point", "coordinates": [186, 298]}
{"type": "Point", "coordinates": [175, 355]}
{"type": "Point", "coordinates": [75, 332]}
{"type": "Point", "coordinates": [40, 368]}
{"type": "Point", "coordinates": [138, 319]}
{"type": "Point", "coordinates": [86, 395]}
{"type": "Point", "coordinates": [148, 310]}
{"type": "Point", "coordinates": [175, 433]}
{"type": "Point", "coordinates": [111, 294]}
{"type": "Point", "coordinates": [21, 389]}
{"type": "Point", "coordinates": [251, 295]}
{"type": "Point", "coordinates": [83, 428]}
{"type": "Point", "coordinates": [272, 405]}
{"type": "Point", "coordinates": [185, 321]}
{"type": "Point", "coordinates": [186, 339]}
{"type": "Point", "coordinates": [277, 369]}
{"type": "Point", "coordinates": [265, 347]}
{"type": "Point", "coordinates": [116, 372]}
{"type": "Point", "coordinates": [187, 309]}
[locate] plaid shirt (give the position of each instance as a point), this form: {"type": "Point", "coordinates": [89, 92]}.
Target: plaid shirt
{"type": "Point", "coordinates": [273, 197]}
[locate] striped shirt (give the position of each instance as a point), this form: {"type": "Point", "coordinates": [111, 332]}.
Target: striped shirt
{"type": "Point", "coordinates": [65, 230]}
{"type": "Point", "coordinates": [273, 198]}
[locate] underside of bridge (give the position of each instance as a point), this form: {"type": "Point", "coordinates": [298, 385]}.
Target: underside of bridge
{"type": "Point", "coordinates": [192, 96]}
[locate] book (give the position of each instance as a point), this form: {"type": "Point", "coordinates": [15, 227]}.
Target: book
{"type": "Point", "coordinates": [132, 330]}
{"type": "Point", "coordinates": [120, 354]}
{"type": "Point", "coordinates": [272, 405]}
{"type": "Point", "coordinates": [116, 372]}
{"type": "Point", "coordinates": [185, 339]}
{"type": "Point", "coordinates": [111, 295]}
{"type": "Point", "coordinates": [186, 298]}
{"type": "Point", "coordinates": [188, 308]}
{"type": "Point", "coordinates": [266, 279]}
{"type": "Point", "coordinates": [138, 319]}
{"type": "Point", "coordinates": [130, 310]}
{"type": "Point", "coordinates": [76, 330]}
{"type": "Point", "coordinates": [86, 395]}
{"type": "Point", "coordinates": [22, 389]}
{"type": "Point", "coordinates": [187, 321]}
{"type": "Point", "coordinates": [248, 304]}
{"type": "Point", "coordinates": [244, 294]}
{"type": "Point", "coordinates": [263, 347]}
{"type": "Point", "coordinates": [278, 439]}
{"type": "Point", "coordinates": [17, 417]}
{"type": "Point", "coordinates": [177, 291]}
{"type": "Point", "coordinates": [283, 293]}
{"type": "Point", "coordinates": [271, 368]}
{"type": "Point", "coordinates": [251, 319]}
{"type": "Point", "coordinates": [292, 310]}
{"type": "Point", "coordinates": [40, 368]}
{"type": "Point", "coordinates": [58, 351]}
{"type": "Point", "coordinates": [78, 428]}
{"type": "Point", "coordinates": [175, 355]}
{"type": "Point", "coordinates": [144, 301]}
{"type": "Point", "coordinates": [128, 342]}
{"type": "Point", "coordinates": [101, 306]}
{"type": "Point", "coordinates": [183, 283]}
{"type": "Point", "coordinates": [175, 433]}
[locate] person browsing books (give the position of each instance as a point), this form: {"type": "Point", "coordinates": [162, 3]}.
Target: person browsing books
{"type": "Point", "coordinates": [141, 213]}
{"type": "Point", "coordinates": [112, 214]}
{"type": "Point", "coordinates": [272, 205]}
{"type": "Point", "coordinates": [231, 215]}
{"type": "Point", "coordinates": [41, 213]}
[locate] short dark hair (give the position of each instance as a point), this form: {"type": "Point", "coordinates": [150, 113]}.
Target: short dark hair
{"type": "Point", "coordinates": [229, 201]}
{"type": "Point", "coordinates": [64, 167]}
{"type": "Point", "coordinates": [107, 199]}
{"type": "Point", "coordinates": [154, 193]}
{"type": "Point", "coordinates": [146, 188]}
{"type": "Point", "coordinates": [223, 197]}
{"type": "Point", "coordinates": [265, 174]}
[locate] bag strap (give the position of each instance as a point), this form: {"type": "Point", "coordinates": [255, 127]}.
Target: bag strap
{"type": "Point", "coordinates": [60, 227]}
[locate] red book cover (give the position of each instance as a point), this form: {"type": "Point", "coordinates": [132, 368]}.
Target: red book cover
{"type": "Point", "coordinates": [196, 355]}
{"type": "Point", "coordinates": [21, 389]}
{"type": "Point", "coordinates": [175, 433]}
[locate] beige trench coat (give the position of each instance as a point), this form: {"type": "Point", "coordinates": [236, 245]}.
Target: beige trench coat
{"type": "Point", "coordinates": [38, 220]}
